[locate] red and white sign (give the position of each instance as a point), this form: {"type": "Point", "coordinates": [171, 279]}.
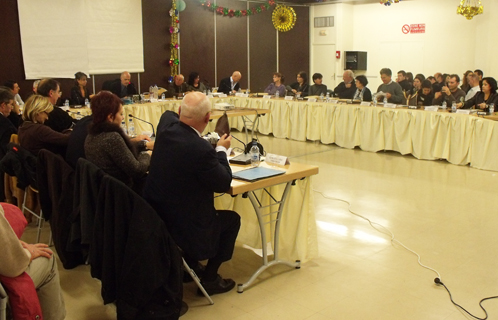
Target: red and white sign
{"type": "Point", "coordinates": [417, 28]}
{"type": "Point", "coordinates": [413, 28]}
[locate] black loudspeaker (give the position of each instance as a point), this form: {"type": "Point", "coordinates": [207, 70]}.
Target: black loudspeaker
{"type": "Point", "coordinates": [355, 60]}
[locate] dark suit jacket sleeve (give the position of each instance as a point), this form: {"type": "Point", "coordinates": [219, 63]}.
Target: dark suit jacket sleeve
{"type": "Point", "coordinates": [131, 89]}
{"type": "Point", "coordinates": [367, 95]}
{"type": "Point", "coordinates": [225, 86]}
{"type": "Point", "coordinates": [59, 120]}
{"type": "Point", "coordinates": [215, 171]}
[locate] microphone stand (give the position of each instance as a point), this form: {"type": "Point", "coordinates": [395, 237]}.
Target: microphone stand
{"type": "Point", "coordinates": [153, 131]}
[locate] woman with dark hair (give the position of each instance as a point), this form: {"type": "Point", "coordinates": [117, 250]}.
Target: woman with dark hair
{"type": "Point", "coordinates": [34, 135]}
{"type": "Point", "coordinates": [409, 77]}
{"type": "Point", "coordinates": [301, 86]}
{"type": "Point", "coordinates": [412, 96]}
{"type": "Point", "coordinates": [79, 93]}
{"type": "Point", "coordinates": [465, 81]}
{"type": "Point", "coordinates": [109, 148]}
{"type": "Point", "coordinates": [484, 98]}
{"type": "Point", "coordinates": [194, 82]}
{"type": "Point", "coordinates": [318, 88]}
{"type": "Point", "coordinates": [362, 92]}
{"type": "Point", "coordinates": [425, 95]}
{"type": "Point", "coordinates": [277, 85]}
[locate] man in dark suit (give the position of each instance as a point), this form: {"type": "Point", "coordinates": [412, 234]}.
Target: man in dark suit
{"type": "Point", "coordinates": [7, 127]}
{"type": "Point", "coordinates": [185, 171]}
{"type": "Point", "coordinates": [231, 84]}
{"type": "Point", "coordinates": [123, 87]}
{"type": "Point", "coordinates": [347, 88]}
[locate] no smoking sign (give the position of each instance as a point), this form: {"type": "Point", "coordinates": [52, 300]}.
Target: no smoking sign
{"type": "Point", "coordinates": [413, 28]}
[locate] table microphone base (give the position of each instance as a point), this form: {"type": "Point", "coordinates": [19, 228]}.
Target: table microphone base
{"type": "Point", "coordinates": [243, 159]}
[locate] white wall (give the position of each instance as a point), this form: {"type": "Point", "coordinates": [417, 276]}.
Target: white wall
{"type": "Point", "coordinates": [450, 44]}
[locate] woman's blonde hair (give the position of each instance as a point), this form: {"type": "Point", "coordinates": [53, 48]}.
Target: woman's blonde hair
{"type": "Point", "coordinates": [35, 105]}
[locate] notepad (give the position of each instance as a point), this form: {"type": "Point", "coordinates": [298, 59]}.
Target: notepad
{"type": "Point", "coordinates": [256, 173]}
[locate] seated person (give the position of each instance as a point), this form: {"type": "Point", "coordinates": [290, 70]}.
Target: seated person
{"type": "Point", "coordinates": [318, 88]}
{"type": "Point", "coordinates": [185, 171]}
{"type": "Point", "coordinates": [465, 81]}
{"type": "Point", "coordinates": [347, 88]}
{"type": "Point", "coordinates": [59, 120]}
{"type": "Point", "coordinates": [425, 95]}
{"type": "Point", "coordinates": [474, 87]}
{"type": "Point", "coordinates": [451, 93]}
{"type": "Point", "coordinates": [194, 82]}
{"type": "Point", "coordinates": [37, 260]}
{"type": "Point", "coordinates": [483, 98]}
{"type": "Point", "coordinates": [177, 88]}
{"type": "Point", "coordinates": [7, 127]}
{"type": "Point", "coordinates": [79, 92]}
{"type": "Point", "coordinates": [230, 84]}
{"type": "Point", "coordinates": [362, 92]}
{"type": "Point", "coordinates": [14, 86]}
{"type": "Point", "coordinates": [108, 147]}
{"type": "Point", "coordinates": [403, 81]}
{"type": "Point", "coordinates": [276, 85]}
{"type": "Point", "coordinates": [300, 87]}
{"type": "Point", "coordinates": [392, 90]}
{"type": "Point", "coordinates": [34, 135]}
{"type": "Point", "coordinates": [122, 87]}
{"type": "Point", "coordinates": [412, 96]}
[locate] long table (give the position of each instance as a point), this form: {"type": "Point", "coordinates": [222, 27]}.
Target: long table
{"type": "Point", "coordinates": [458, 138]}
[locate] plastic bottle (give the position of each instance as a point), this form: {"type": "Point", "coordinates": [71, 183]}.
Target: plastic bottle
{"type": "Point", "coordinates": [131, 128]}
{"type": "Point", "coordinates": [453, 107]}
{"type": "Point", "coordinates": [163, 97]}
{"type": "Point", "coordinates": [123, 126]}
{"type": "Point", "coordinates": [321, 96]}
{"type": "Point", "coordinates": [87, 103]}
{"type": "Point", "coordinates": [491, 108]}
{"type": "Point", "coordinates": [254, 152]}
{"type": "Point", "coordinates": [156, 92]}
{"type": "Point", "coordinates": [66, 103]}
{"type": "Point", "coordinates": [277, 94]}
{"type": "Point", "coordinates": [385, 100]}
{"type": "Point", "coordinates": [444, 105]}
{"type": "Point", "coordinates": [374, 98]}
{"type": "Point", "coordinates": [327, 97]}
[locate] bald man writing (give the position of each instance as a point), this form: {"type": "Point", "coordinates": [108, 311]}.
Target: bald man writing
{"type": "Point", "coordinates": [231, 84]}
{"type": "Point", "coordinates": [185, 172]}
{"type": "Point", "coordinates": [123, 87]}
{"type": "Point", "coordinates": [178, 87]}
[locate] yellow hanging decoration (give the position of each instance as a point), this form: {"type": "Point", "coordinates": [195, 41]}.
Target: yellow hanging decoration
{"type": "Point", "coordinates": [284, 18]}
{"type": "Point", "coordinates": [470, 8]}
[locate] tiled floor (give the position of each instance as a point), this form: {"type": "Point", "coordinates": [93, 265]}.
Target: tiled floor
{"type": "Point", "coordinates": [444, 212]}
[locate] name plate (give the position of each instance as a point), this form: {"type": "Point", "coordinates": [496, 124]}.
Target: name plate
{"type": "Point", "coordinates": [223, 96]}
{"type": "Point", "coordinates": [266, 96]}
{"type": "Point", "coordinates": [276, 159]}
{"type": "Point", "coordinates": [412, 107]}
{"type": "Point", "coordinates": [482, 113]}
{"type": "Point", "coordinates": [390, 105]}
{"type": "Point", "coordinates": [242, 95]}
{"type": "Point", "coordinates": [463, 111]}
{"type": "Point", "coordinates": [290, 98]}
{"type": "Point", "coordinates": [312, 100]}
{"type": "Point", "coordinates": [334, 101]}
{"type": "Point", "coordinates": [365, 103]}
{"type": "Point", "coordinates": [431, 108]}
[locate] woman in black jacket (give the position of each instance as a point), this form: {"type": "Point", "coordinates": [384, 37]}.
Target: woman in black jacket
{"type": "Point", "coordinates": [79, 93]}
{"type": "Point", "coordinates": [484, 98]}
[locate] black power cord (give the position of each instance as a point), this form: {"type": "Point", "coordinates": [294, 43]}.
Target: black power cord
{"type": "Point", "coordinates": [438, 282]}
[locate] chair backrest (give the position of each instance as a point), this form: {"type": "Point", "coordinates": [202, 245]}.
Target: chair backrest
{"type": "Point", "coordinates": [4, 299]}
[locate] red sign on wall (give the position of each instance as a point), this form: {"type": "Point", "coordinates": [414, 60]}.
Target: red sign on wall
{"type": "Point", "coordinates": [417, 28]}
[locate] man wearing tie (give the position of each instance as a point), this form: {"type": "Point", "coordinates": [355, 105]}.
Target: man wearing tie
{"type": "Point", "coordinates": [231, 84]}
{"type": "Point", "coordinates": [185, 172]}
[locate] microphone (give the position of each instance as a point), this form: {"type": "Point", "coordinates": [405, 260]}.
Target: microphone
{"type": "Point", "coordinates": [245, 146]}
{"type": "Point", "coordinates": [153, 131]}
{"type": "Point", "coordinates": [437, 281]}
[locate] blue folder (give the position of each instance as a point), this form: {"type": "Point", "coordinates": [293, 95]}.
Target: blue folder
{"type": "Point", "coordinates": [256, 173]}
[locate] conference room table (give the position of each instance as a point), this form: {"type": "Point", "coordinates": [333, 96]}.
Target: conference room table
{"type": "Point", "coordinates": [458, 138]}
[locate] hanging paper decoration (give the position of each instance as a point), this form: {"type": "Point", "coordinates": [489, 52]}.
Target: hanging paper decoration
{"type": "Point", "coordinates": [227, 12]}
{"type": "Point", "coordinates": [470, 8]}
{"type": "Point", "coordinates": [389, 2]}
{"type": "Point", "coordinates": [174, 60]}
{"type": "Point", "coordinates": [284, 18]}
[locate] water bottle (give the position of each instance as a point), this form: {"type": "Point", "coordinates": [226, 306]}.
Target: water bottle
{"type": "Point", "coordinates": [444, 105]}
{"type": "Point", "coordinates": [163, 97]}
{"type": "Point", "coordinates": [277, 94]}
{"type": "Point", "coordinates": [248, 91]}
{"type": "Point", "coordinates": [327, 97]}
{"type": "Point", "coordinates": [156, 92]}
{"type": "Point", "coordinates": [131, 128]}
{"type": "Point", "coordinates": [385, 100]}
{"type": "Point", "coordinates": [151, 90]}
{"type": "Point", "coordinates": [374, 98]}
{"type": "Point", "coordinates": [254, 154]}
{"type": "Point", "coordinates": [321, 96]}
{"type": "Point", "coordinates": [66, 103]}
{"type": "Point", "coordinates": [491, 108]}
{"type": "Point", "coordinates": [453, 107]}
{"type": "Point", "coordinates": [240, 90]}
{"type": "Point", "coordinates": [123, 127]}
{"type": "Point", "coordinates": [87, 103]}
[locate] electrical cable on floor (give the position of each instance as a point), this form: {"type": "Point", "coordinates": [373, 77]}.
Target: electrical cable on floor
{"type": "Point", "coordinates": [394, 240]}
